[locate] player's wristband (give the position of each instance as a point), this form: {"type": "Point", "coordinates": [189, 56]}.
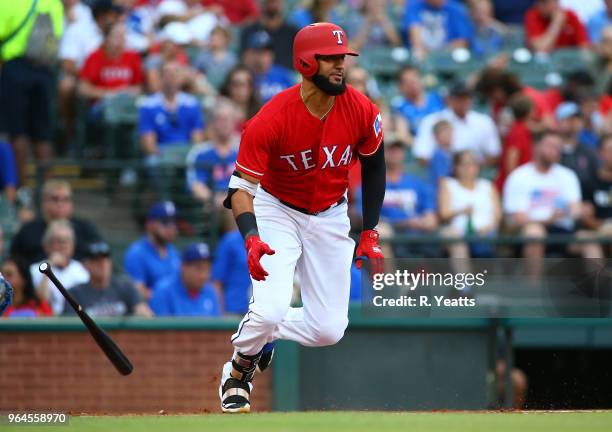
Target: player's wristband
{"type": "Point", "coordinates": [247, 224]}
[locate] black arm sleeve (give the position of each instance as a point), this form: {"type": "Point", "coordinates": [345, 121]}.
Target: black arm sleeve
{"type": "Point", "coordinates": [373, 183]}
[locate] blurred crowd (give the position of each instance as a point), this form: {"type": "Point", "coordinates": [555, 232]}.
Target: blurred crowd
{"type": "Point", "coordinates": [482, 155]}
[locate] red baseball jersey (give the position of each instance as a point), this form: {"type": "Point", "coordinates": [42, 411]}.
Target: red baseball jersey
{"type": "Point", "coordinates": [301, 159]}
{"type": "Point", "coordinates": [112, 73]}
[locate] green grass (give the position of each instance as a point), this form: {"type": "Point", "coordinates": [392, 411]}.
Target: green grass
{"type": "Point", "coordinates": [342, 421]}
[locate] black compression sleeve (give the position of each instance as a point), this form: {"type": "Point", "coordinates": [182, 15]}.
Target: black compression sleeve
{"type": "Point", "coordinates": [373, 183]}
{"type": "Point", "coordinates": [247, 224]}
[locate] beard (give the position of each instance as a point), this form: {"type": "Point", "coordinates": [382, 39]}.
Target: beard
{"type": "Point", "coordinates": [159, 239]}
{"type": "Point", "coordinates": [328, 87]}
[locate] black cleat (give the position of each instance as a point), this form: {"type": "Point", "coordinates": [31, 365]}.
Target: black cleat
{"type": "Point", "coordinates": [235, 396]}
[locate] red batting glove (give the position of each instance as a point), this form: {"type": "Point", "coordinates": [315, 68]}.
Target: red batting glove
{"type": "Point", "coordinates": [369, 248]}
{"type": "Point", "coordinates": [256, 248]}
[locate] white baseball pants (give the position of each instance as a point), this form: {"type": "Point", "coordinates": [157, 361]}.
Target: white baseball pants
{"type": "Point", "coordinates": [320, 250]}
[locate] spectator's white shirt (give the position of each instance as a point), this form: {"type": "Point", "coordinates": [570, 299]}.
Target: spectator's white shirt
{"type": "Point", "coordinates": [539, 194]}
{"type": "Point", "coordinates": [70, 276]}
{"type": "Point", "coordinates": [480, 199]}
{"type": "Point", "coordinates": [475, 132]}
{"type": "Point", "coordinates": [80, 40]}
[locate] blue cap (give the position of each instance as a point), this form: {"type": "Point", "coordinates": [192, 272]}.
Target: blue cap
{"type": "Point", "coordinates": [260, 40]}
{"type": "Point", "coordinates": [196, 252]}
{"type": "Point", "coordinates": [566, 110]}
{"type": "Point", "coordinates": [162, 210]}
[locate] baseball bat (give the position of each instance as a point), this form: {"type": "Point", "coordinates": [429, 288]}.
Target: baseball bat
{"type": "Point", "coordinates": [112, 351]}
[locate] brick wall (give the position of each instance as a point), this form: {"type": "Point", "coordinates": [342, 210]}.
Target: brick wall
{"type": "Point", "coordinates": [177, 371]}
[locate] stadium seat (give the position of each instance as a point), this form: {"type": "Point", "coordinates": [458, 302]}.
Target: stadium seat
{"type": "Point", "coordinates": [450, 65]}
{"type": "Point", "coordinates": [120, 117]}
{"type": "Point", "coordinates": [532, 70]}
{"type": "Point", "coordinates": [121, 109]}
{"type": "Point", "coordinates": [515, 38]}
{"type": "Point", "coordinates": [565, 61]}
{"type": "Point", "coordinates": [384, 62]}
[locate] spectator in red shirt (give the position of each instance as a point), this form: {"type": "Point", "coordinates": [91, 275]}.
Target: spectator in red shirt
{"type": "Point", "coordinates": [26, 304]}
{"type": "Point", "coordinates": [548, 27]}
{"type": "Point", "coordinates": [111, 68]}
{"type": "Point", "coordinates": [498, 87]}
{"type": "Point", "coordinates": [238, 12]}
{"type": "Point", "coordinates": [517, 148]}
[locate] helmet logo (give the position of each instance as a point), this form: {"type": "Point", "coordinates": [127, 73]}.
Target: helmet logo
{"type": "Point", "coordinates": [338, 34]}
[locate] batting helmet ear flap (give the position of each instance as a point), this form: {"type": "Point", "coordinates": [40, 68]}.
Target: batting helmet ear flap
{"type": "Point", "coordinates": [306, 68]}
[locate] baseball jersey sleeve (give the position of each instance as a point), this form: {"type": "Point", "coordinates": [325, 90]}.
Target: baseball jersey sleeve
{"type": "Point", "coordinates": [256, 143]}
{"type": "Point", "coordinates": [132, 266]}
{"type": "Point", "coordinates": [373, 134]}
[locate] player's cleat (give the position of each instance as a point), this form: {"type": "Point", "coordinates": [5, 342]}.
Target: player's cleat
{"type": "Point", "coordinates": [266, 357]}
{"type": "Point", "coordinates": [235, 396]}
{"type": "Point", "coordinates": [235, 388]}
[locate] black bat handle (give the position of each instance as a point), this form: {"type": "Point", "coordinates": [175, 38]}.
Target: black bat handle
{"type": "Point", "coordinates": [45, 269]}
{"type": "Point", "coordinates": [104, 341]}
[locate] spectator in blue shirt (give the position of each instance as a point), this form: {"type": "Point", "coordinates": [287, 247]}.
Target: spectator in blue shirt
{"type": "Point", "coordinates": [230, 273]}
{"type": "Point", "coordinates": [270, 78]}
{"type": "Point", "coordinates": [8, 172]}
{"type": "Point", "coordinates": [409, 205]}
{"type": "Point", "coordinates": [211, 164]}
{"type": "Point", "coordinates": [169, 117]}
{"type": "Point", "coordinates": [189, 291]}
{"type": "Point", "coordinates": [414, 103]}
{"type": "Point", "coordinates": [153, 257]}
{"type": "Point", "coordinates": [434, 25]}
{"type": "Point", "coordinates": [486, 34]}
{"type": "Point", "coordinates": [598, 22]}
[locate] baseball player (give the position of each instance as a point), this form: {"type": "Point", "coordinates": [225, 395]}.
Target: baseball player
{"type": "Point", "coordinates": [288, 195]}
